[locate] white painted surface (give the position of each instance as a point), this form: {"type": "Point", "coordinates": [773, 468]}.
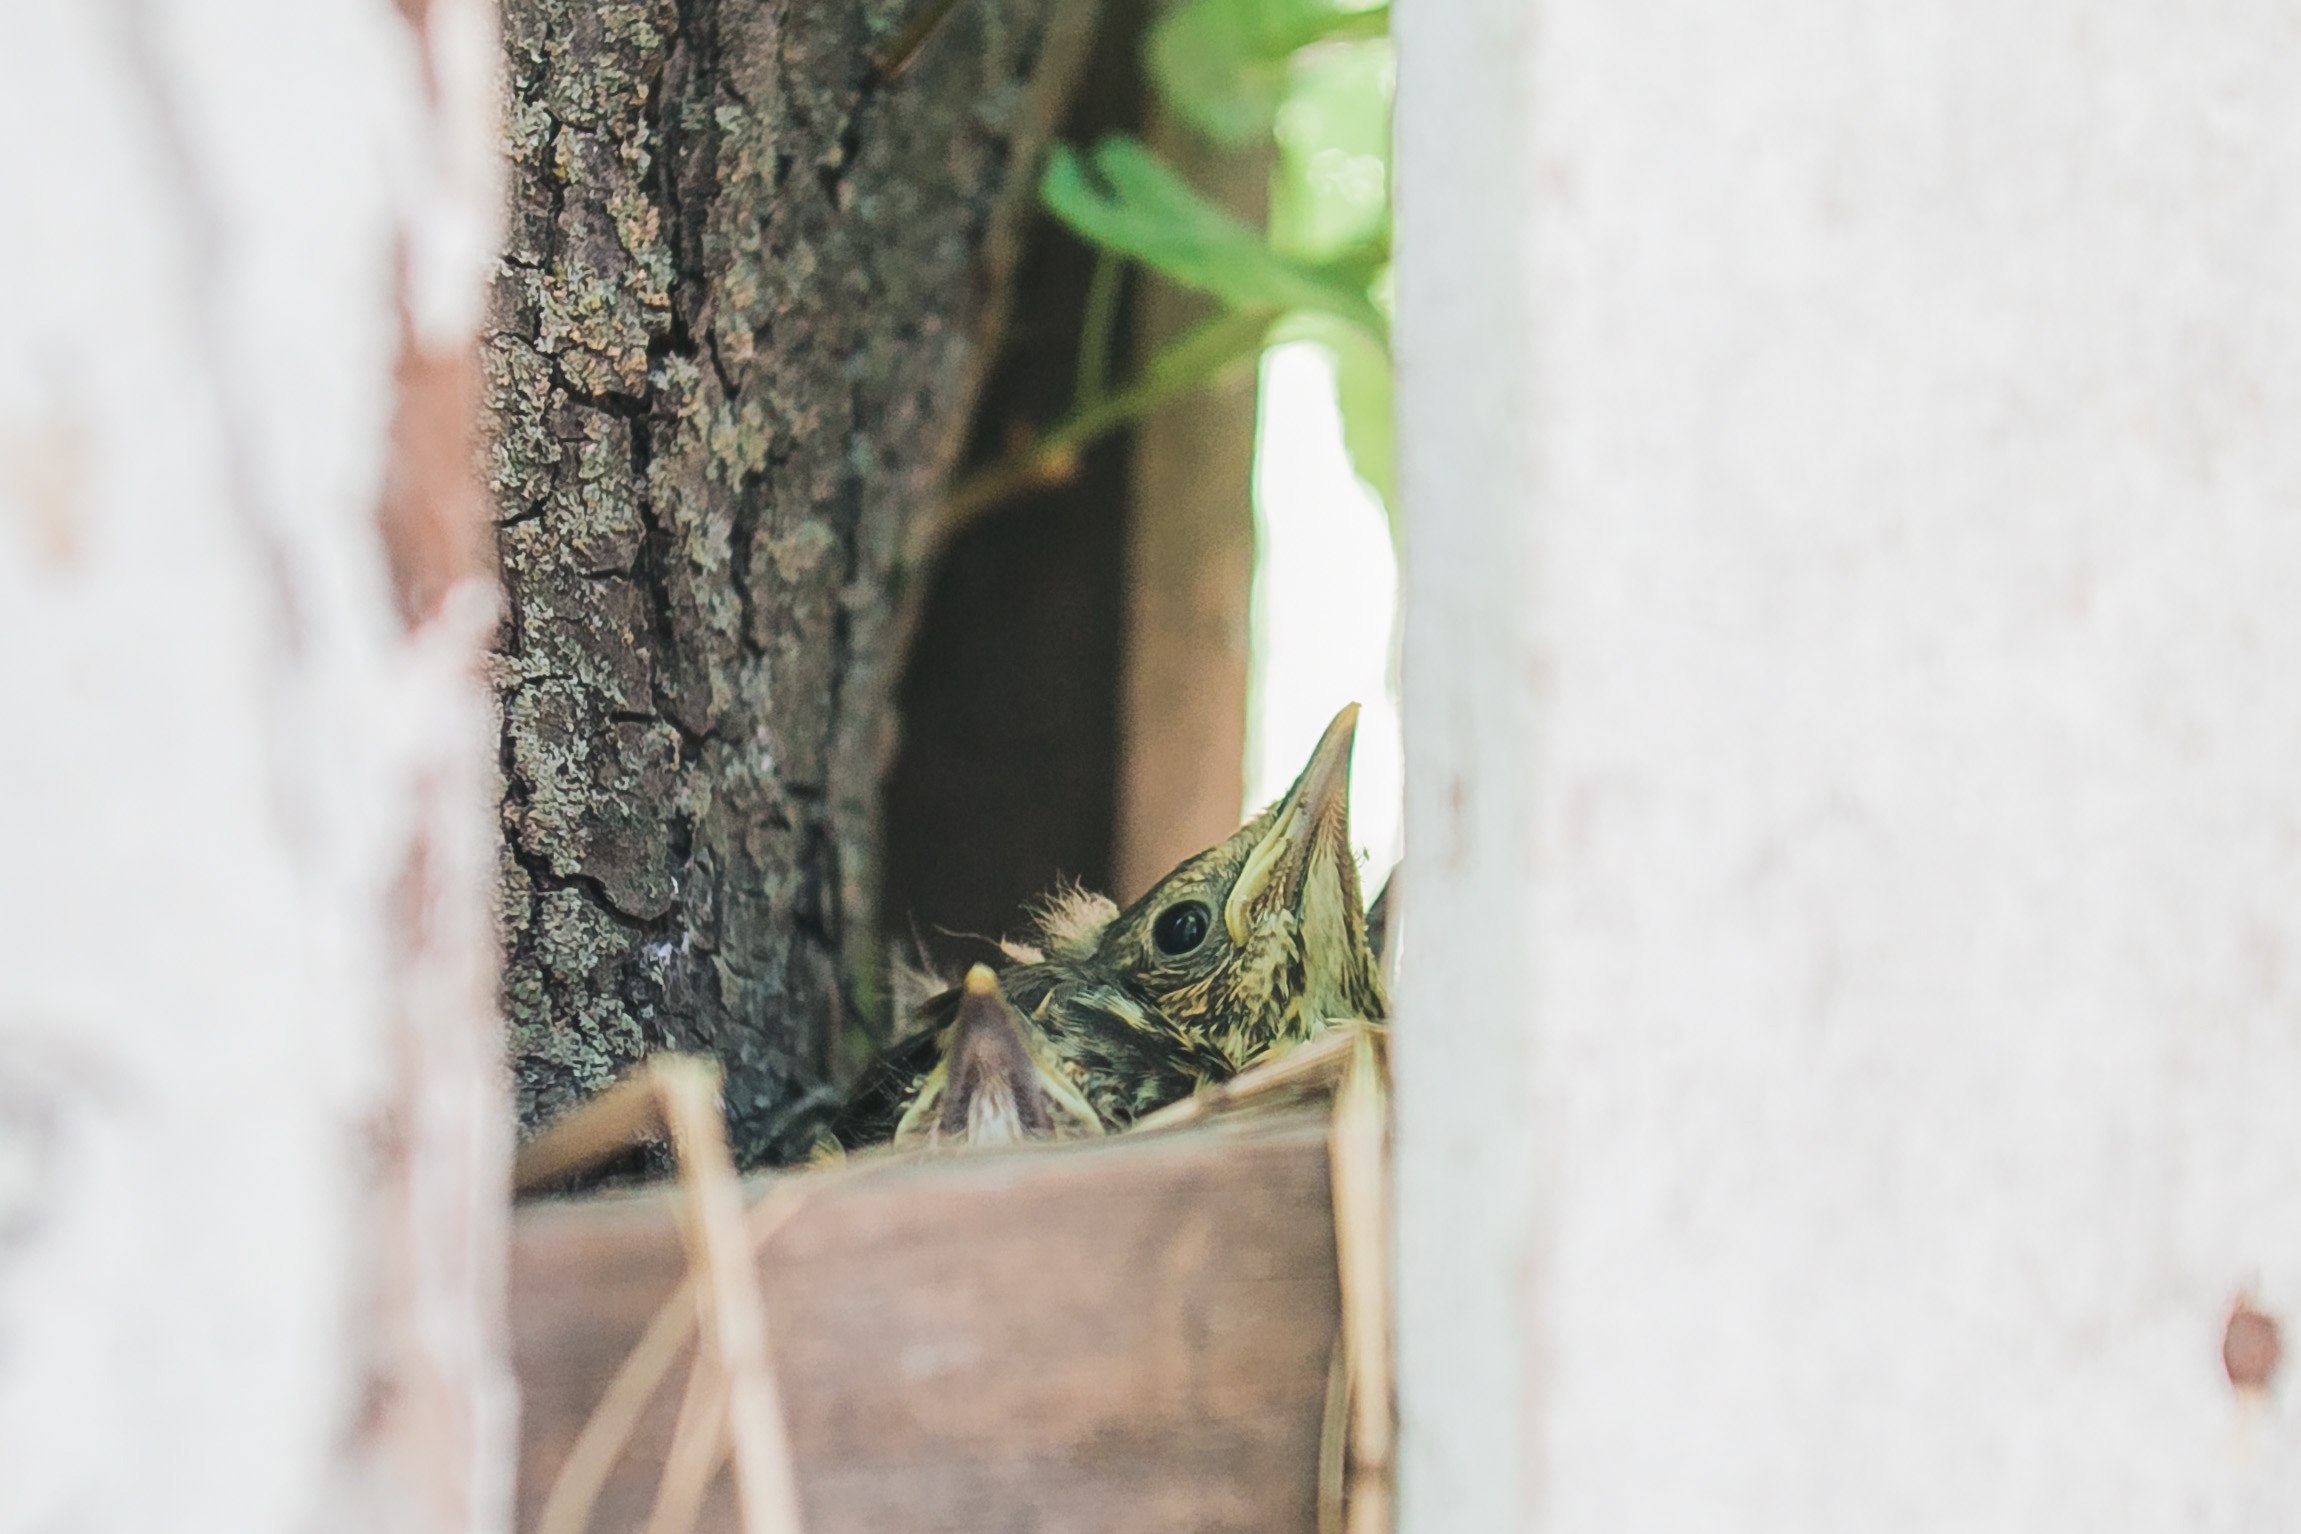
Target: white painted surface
{"type": "Point", "coordinates": [218, 747]}
{"type": "Point", "coordinates": [1852, 474]}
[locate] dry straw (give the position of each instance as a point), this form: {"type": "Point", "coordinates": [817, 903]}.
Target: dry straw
{"type": "Point", "coordinates": [731, 1400]}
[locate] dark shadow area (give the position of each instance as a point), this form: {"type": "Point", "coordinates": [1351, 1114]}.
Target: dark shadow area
{"type": "Point", "coordinates": [1007, 777]}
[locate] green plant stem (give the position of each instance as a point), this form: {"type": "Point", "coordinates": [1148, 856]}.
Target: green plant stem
{"type": "Point", "coordinates": [1191, 362]}
{"type": "Point", "coordinates": [1097, 329]}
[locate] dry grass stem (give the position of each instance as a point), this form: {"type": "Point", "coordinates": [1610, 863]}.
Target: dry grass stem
{"type": "Point", "coordinates": [698, 1445]}
{"type": "Point", "coordinates": [699, 1439]}
{"type": "Point", "coordinates": [1334, 1443]}
{"type": "Point", "coordinates": [722, 1281]}
{"type": "Point", "coordinates": [626, 1114]}
{"type": "Point", "coordinates": [575, 1490]}
{"type": "Point", "coordinates": [1318, 1064]}
{"type": "Point", "coordinates": [1356, 1153]}
{"type": "Point", "coordinates": [732, 1311]}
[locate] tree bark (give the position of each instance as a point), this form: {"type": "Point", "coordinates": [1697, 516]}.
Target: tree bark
{"type": "Point", "coordinates": [742, 313]}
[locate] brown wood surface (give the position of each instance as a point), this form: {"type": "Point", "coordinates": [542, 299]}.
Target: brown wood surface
{"type": "Point", "coordinates": [1190, 573]}
{"type": "Point", "coordinates": [1131, 1336]}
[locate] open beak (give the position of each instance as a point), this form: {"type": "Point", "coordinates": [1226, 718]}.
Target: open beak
{"type": "Point", "coordinates": [993, 1086]}
{"type": "Point", "coordinates": [1313, 817]}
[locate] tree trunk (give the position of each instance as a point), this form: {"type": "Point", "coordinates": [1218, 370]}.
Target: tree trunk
{"type": "Point", "coordinates": [253, 1143]}
{"type": "Point", "coordinates": [742, 314]}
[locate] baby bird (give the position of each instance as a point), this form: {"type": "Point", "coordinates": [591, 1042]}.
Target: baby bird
{"type": "Point", "coordinates": [1251, 946]}
{"type": "Point", "coordinates": [995, 1083]}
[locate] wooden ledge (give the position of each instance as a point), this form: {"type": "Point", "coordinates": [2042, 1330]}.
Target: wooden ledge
{"type": "Point", "coordinates": [1126, 1336]}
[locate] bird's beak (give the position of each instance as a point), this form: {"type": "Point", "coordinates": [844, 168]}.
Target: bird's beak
{"type": "Point", "coordinates": [1314, 817]}
{"type": "Point", "coordinates": [995, 1087]}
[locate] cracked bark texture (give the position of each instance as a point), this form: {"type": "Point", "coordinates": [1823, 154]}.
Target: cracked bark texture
{"type": "Point", "coordinates": [745, 303]}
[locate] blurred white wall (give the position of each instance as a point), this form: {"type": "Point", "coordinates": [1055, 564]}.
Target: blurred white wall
{"type": "Point", "coordinates": [1852, 491]}
{"type": "Point", "coordinates": [252, 1132]}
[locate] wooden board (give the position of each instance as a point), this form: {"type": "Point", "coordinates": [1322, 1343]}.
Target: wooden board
{"type": "Point", "coordinates": [1132, 1336]}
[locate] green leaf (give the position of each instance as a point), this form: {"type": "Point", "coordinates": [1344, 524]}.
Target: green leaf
{"type": "Point", "coordinates": [1122, 197]}
{"type": "Point", "coordinates": [1369, 428]}
{"type": "Point", "coordinates": [1331, 190]}
{"type": "Point", "coordinates": [1222, 64]}
{"type": "Point", "coordinates": [1187, 364]}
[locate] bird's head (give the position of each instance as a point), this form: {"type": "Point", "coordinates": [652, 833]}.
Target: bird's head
{"type": "Point", "coordinates": [996, 1082]}
{"type": "Point", "coordinates": [1259, 941]}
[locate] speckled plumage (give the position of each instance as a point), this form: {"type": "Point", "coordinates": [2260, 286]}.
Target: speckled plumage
{"type": "Point", "coordinates": [1134, 1027]}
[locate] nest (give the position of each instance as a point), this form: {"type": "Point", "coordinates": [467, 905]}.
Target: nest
{"type": "Point", "coordinates": [731, 1407]}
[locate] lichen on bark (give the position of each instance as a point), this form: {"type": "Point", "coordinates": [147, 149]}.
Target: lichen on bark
{"type": "Point", "coordinates": [743, 308]}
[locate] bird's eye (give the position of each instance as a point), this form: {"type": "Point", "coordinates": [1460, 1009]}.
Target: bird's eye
{"type": "Point", "coordinates": [1180, 928]}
